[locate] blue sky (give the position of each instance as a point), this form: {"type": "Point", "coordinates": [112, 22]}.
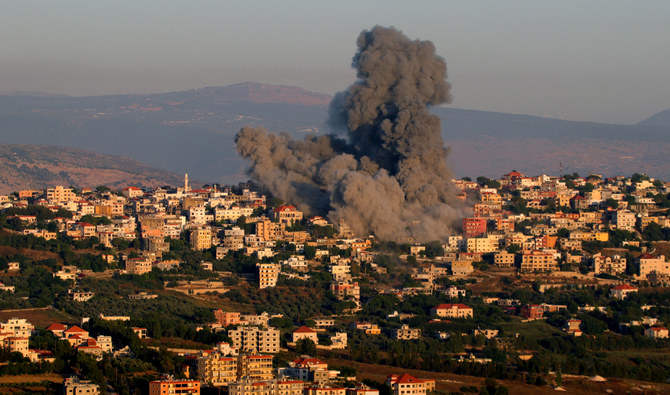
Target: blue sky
{"type": "Point", "coordinates": [604, 61]}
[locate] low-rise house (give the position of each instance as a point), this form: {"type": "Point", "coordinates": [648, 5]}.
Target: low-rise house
{"type": "Point", "coordinates": [75, 386]}
{"type": "Point", "coordinates": [406, 333]}
{"type": "Point", "coordinates": [323, 389]}
{"type": "Point", "coordinates": [487, 333]}
{"type": "Point", "coordinates": [532, 311]}
{"type": "Point", "coordinates": [362, 389]}
{"type": "Point", "coordinates": [461, 268]}
{"type": "Point", "coordinates": [622, 291]}
{"type": "Point", "coordinates": [406, 384]}
{"type": "Point", "coordinates": [82, 296]}
{"type": "Point", "coordinates": [452, 310]}
{"type": "Point", "coordinates": [339, 341]}
{"type": "Point", "coordinates": [572, 327]}
{"type": "Point", "coordinates": [454, 292]}
{"type": "Point", "coordinates": [657, 332]}
{"type": "Point", "coordinates": [308, 369]}
{"type": "Point", "coordinates": [305, 333]}
{"type": "Point", "coordinates": [140, 332]}
{"type": "Point", "coordinates": [368, 328]}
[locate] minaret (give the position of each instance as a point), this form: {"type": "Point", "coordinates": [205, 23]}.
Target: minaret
{"type": "Point", "coordinates": [186, 188]}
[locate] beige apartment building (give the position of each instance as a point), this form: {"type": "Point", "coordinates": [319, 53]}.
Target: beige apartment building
{"type": "Point", "coordinates": [138, 266]}
{"type": "Point", "coordinates": [246, 386]}
{"type": "Point", "coordinates": [610, 265]}
{"type": "Point", "coordinates": [649, 264]}
{"type": "Point", "coordinates": [217, 370]}
{"type": "Point", "coordinates": [256, 367]}
{"type": "Point", "coordinates": [268, 230]}
{"type": "Point", "coordinates": [201, 239]}
{"type": "Point", "coordinates": [268, 273]}
{"type": "Point", "coordinates": [538, 261]}
{"type": "Point", "coordinates": [60, 194]}
{"type": "Point", "coordinates": [504, 259]}
{"type": "Point", "coordinates": [344, 290]}
{"type": "Point", "coordinates": [254, 339]}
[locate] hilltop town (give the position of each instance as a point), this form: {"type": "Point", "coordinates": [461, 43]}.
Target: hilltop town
{"type": "Point", "coordinates": [552, 282]}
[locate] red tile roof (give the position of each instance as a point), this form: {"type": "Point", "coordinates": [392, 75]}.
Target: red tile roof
{"type": "Point", "coordinates": [304, 329]}
{"type": "Point", "coordinates": [285, 207]}
{"type": "Point", "coordinates": [451, 306]}
{"type": "Point", "coordinates": [56, 327]}
{"type": "Point", "coordinates": [623, 287]}
{"type": "Point", "coordinates": [75, 329]}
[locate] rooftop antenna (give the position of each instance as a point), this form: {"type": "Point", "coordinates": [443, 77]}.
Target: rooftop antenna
{"type": "Point", "coordinates": [561, 168]}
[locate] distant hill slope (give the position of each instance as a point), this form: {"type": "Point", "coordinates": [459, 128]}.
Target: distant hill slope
{"type": "Point", "coordinates": [37, 166]}
{"type": "Point", "coordinates": [192, 131]}
{"type": "Point", "coordinates": [659, 119]}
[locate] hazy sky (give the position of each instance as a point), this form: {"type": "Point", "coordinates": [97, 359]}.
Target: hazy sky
{"type": "Point", "coordinates": [605, 61]}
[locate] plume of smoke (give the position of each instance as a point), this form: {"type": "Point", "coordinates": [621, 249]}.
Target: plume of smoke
{"type": "Point", "coordinates": [389, 175]}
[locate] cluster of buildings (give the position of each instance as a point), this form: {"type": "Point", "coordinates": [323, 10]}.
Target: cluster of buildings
{"type": "Point", "coordinates": [536, 224]}
{"type": "Point", "coordinates": [519, 224]}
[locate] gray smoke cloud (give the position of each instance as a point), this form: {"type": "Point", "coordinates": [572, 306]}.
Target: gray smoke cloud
{"type": "Point", "coordinates": [388, 175]}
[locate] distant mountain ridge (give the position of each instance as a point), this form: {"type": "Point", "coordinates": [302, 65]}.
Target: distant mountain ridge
{"type": "Point", "coordinates": [192, 131]}
{"type": "Point", "coordinates": [33, 166]}
{"type": "Point", "coordinates": [659, 119]}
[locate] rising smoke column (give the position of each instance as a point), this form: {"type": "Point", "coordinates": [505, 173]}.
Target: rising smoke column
{"type": "Point", "coordinates": [389, 176]}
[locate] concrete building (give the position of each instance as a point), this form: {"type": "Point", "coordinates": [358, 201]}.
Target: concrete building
{"type": "Point", "coordinates": [474, 227]}
{"type": "Point", "coordinates": [622, 291]}
{"type": "Point", "coordinates": [452, 310]}
{"type": "Point", "coordinates": [538, 261]}
{"type": "Point", "coordinates": [614, 265]}
{"type": "Point", "coordinates": [406, 333]}
{"type": "Point", "coordinates": [461, 268]}
{"type": "Point", "coordinates": [256, 367]}
{"type": "Point", "coordinates": [177, 387]}
{"type": "Point", "coordinates": [345, 290]}
{"type": "Point", "coordinates": [255, 340]}
{"type": "Point", "coordinates": [649, 264]}
{"type": "Point", "coordinates": [75, 386]}
{"type": "Point", "coordinates": [268, 273]}
{"type": "Point", "coordinates": [504, 259]}
{"type": "Point", "coordinates": [247, 386]}
{"type": "Point", "coordinates": [225, 318]}
{"type": "Point", "coordinates": [217, 370]}
{"type": "Point", "coordinates": [287, 214]}
{"type": "Point", "coordinates": [305, 333]}
{"type": "Point", "coordinates": [201, 238]}
{"type": "Point", "coordinates": [406, 384]}
{"type": "Point", "coordinates": [656, 332]}
{"type": "Point", "coordinates": [623, 220]}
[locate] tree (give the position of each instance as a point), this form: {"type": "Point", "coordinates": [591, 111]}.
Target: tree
{"type": "Point", "coordinates": [612, 203]}
{"type": "Point", "coordinates": [305, 347]}
{"type": "Point", "coordinates": [310, 252]}
{"type": "Point", "coordinates": [433, 249]}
